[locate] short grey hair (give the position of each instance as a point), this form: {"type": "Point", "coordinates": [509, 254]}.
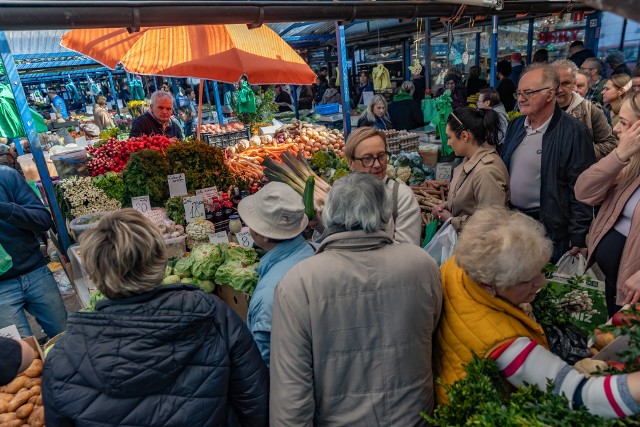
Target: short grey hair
{"type": "Point", "coordinates": [407, 87]}
{"type": "Point", "coordinates": [124, 255]}
{"type": "Point", "coordinates": [596, 63]}
{"type": "Point", "coordinates": [616, 57]}
{"type": "Point", "coordinates": [357, 201]}
{"type": "Point", "coordinates": [565, 63]}
{"type": "Point", "coordinates": [549, 74]}
{"type": "Point", "coordinates": [506, 255]}
{"type": "Point", "coordinates": [160, 95]}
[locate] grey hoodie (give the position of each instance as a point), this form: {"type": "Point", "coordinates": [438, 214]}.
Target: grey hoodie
{"type": "Point", "coordinates": [504, 121]}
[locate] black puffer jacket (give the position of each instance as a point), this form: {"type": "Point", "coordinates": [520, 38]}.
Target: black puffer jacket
{"type": "Point", "coordinates": [567, 151]}
{"type": "Point", "coordinates": [174, 356]}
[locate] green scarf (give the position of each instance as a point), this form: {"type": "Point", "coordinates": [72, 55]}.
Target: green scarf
{"type": "Point", "coordinates": [402, 96]}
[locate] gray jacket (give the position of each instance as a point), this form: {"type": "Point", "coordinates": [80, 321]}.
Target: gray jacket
{"type": "Point", "coordinates": [351, 337]}
{"type": "Point", "coordinates": [593, 117]}
{"type": "Point", "coordinates": [504, 121]}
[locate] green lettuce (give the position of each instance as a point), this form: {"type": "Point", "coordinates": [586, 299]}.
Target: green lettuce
{"type": "Point", "coordinates": [239, 276]}
{"type": "Point", "coordinates": [241, 254]}
{"type": "Point", "coordinates": [206, 260]}
{"type": "Point", "coordinates": [183, 267]}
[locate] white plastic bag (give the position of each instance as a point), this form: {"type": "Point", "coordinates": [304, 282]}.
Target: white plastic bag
{"type": "Point", "coordinates": [571, 265]}
{"type": "Point", "coordinates": [442, 245]}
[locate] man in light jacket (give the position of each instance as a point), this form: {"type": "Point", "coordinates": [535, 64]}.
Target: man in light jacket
{"type": "Point", "coordinates": [352, 327]}
{"type": "Point", "coordinates": [276, 219]}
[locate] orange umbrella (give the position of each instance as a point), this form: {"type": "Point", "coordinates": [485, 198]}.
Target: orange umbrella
{"type": "Point", "coordinates": [214, 52]}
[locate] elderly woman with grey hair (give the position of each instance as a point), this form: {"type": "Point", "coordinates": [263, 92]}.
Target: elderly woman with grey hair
{"type": "Point", "coordinates": [404, 111]}
{"type": "Point", "coordinates": [150, 355]}
{"type": "Point", "coordinates": [352, 327]}
{"type": "Point", "coordinates": [487, 286]}
{"type": "Point", "coordinates": [158, 120]}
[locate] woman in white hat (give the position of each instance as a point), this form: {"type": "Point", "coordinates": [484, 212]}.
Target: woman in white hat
{"type": "Point", "coordinates": [276, 219]}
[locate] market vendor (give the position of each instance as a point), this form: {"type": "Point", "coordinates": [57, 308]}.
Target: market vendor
{"type": "Point", "coordinates": [157, 121]}
{"type": "Point", "coordinates": [58, 105]}
{"type": "Point", "coordinates": [276, 218]}
{"type": "Point", "coordinates": [366, 150]}
{"type": "Point", "coordinates": [487, 289]}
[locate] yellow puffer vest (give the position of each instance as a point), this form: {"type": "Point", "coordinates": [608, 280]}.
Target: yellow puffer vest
{"type": "Point", "coordinates": [472, 321]}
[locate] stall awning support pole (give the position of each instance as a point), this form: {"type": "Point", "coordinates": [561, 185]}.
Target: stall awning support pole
{"type": "Point", "coordinates": [592, 32]}
{"type": "Point", "coordinates": [344, 79]}
{"type": "Point", "coordinates": [294, 97]}
{"type": "Point", "coordinates": [477, 57]}
{"type": "Point", "coordinates": [206, 91]}
{"type": "Point", "coordinates": [530, 42]}
{"type": "Point", "coordinates": [155, 85]}
{"type": "Point", "coordinates": [113, 90]}
{"type": "Point", "coordinates": [176, 93]}
{"type": "Point", "coordinates": [93, 96]}
{"type": "Point", "coordinates": [30, 129]}
{"type": "Point", "coordinates": [494, 50]}
{"type": "Point", "coordinates": [427, 53]}
{"type": "Point", "coordinates": [19, 149]}
{"type": "Point", "coordinates": [406, 48]}
{"type": "Point", "coordinates": [216, 96]}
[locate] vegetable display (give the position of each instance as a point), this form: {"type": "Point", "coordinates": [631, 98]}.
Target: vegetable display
{"type": "Point", "coordinates": [329, 165]}
{"type": "Point", "coordinates": [430, 194]}
{"type": "Point", "coordinates": [113, 155]}
{"type": "Point", "coordinates": [217, 129]}
{"type": "Point", "coordinates": [112, 184]}
{"type": "Point", "coordinates": [312, 138]}
{"type": "Point", "coordinates": [409, 168]}
{"type": "Point", "coordinates": [146, 174]}
{"type": "Point", "coordinates": [21, 399]}
{"type": "Point", "coordinates": [79, 196]}
{"type": "Point", "coordinates": [198, 232]}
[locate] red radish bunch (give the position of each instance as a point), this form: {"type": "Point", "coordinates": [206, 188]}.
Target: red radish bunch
{"type": "Point", "coordinates": [113, 155]}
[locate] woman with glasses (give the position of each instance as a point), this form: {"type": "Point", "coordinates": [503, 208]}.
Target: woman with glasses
{"type": "Point", "coordinates": [366, 150]}
{"type": "Point", "coordinates": [376, 114]}
{"type": "Point", "coordinates": [613, 93]}
{"type": "Point", "coordinates": [482, 178]}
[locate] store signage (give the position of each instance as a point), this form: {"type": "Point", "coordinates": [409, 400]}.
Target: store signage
{"type": "Point", "coordinates": [193, 207]}
{"type": "Point", "coordinates": [208, 193]}
{"type": "Point", "coordinates": [141, 204]}
{"type": "Point", "coordinates": [578, 16]}
{"type": "Point", "coordinates": [559, 36]}
{"type": "Point", "coordinates": [219, 237]}
{"type": "Point", "coordinates": [244, 238]}
{"type": "Point", "coordinates": [593, 23]}
{"type": "Point", "coordinates": [177, 185]}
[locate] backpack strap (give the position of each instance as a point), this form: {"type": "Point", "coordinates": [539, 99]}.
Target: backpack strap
{"type": "Point", "coordinates": [394, 197]}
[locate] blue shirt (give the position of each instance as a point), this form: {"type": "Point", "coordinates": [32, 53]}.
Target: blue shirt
{"type": "Point", "coordinates": [273, 266]}
{"type": "Point", "coordinates": [22, 218]}
{"type": "Point", "coordinates": [59, 105]}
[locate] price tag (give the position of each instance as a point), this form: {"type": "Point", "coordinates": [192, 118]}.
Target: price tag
{"type": "Point", "coordinates": [244, 237]}
{"type": "Point", "coordinates": [209, 193]}
{"type": "Point", "coordinates": [141, 204]}
{"type": "Point", "coordinates": [219, 237]}
{"type": "Point", "coordinates": [443, 172]}
{"type": "Point", "coordinates": [177, 185]}
{"type": "Point", "coordinates": [10, 331]}
{"type": "Point", "coordinates": [193, 207]}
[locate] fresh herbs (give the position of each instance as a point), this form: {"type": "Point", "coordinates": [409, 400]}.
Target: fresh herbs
{"type": "Point", "coordinates": [112, 184]}
{"type": "Point", "coordinates": [146, 174]}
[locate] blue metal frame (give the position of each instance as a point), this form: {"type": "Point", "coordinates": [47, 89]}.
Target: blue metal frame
{"type": "Point", "coordinates": [115, 95]}
{"type": "Point", "coordinates": [176, 93]}
{"type": "Point", "coordinates": [294, 97]}
{"type": "Point", "coordinates": [494, 50]}
{"type": "Point", "coordinates": [427, 52]}
{"type": "Point", "coordinates": [34, 141]}
{"type": "Point", "coordinates": [206, 91]}
{"type": "Point", "coordinates": [477, 51]}
{"type": "Point", "coordinates": [530, 41]}
{"type": "Point", "coordinates": [406, 47]}
{"type": "Point", "coordinates": [216, 95]}
{"type": "Point", "coordinates": [155, 84]}
{"type": "Point", "coordinates": [19, 149]}
{"type": "Point", "coordinates": [592, 33]}
{"type": "Point", "coordinates": [93, 97]}
{"type": "Point", "coordinates": [344, 79]}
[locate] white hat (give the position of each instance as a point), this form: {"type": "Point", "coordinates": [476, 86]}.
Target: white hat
{"type": "Point", "coordinates": [276, 212]}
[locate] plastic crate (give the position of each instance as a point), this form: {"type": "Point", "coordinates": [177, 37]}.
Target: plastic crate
{"type": "Point", "coordinates": [327, 109]}
{"type": "Point", "coordinates": [227, 139]}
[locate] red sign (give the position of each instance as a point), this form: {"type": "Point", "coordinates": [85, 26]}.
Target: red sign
{"type": "Point", "coordinates": [578, 16]}
{"type": "Point", "coordinates": [559, 36]}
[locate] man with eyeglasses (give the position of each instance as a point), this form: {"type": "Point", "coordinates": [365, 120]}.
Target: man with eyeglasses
{"type": "Point", "coordinates": [587, 112]}
{"type": "Point", "coordinates": [595, 70]}
{"type": "Point", "coordinates": [545, 150]}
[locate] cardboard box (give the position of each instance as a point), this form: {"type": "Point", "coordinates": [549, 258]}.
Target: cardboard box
{"type": "Point", "coordinates": [33, 343]}
{"type": "Point", "coordinates": [238, 301]}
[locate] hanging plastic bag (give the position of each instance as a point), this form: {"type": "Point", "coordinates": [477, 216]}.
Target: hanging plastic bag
{"type": "Point", "coordinates": [246, 99]}
{"type": "Point", "coordinates": [443, 109]}
{"type": "Point", "coordinates": [429, 231]}
{"type": "Point", "coordinates": [571, 265]}
{"type": "Point", "coordinates": [428, 109]}
{"type": "Point", "coordinates": [442, 245]}
{"type": "Point", "coordinates": [6, 262]}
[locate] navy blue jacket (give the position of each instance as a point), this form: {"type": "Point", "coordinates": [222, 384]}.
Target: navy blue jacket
{"type": "Point", "coordinates": [567, 150]}
{"type": "Point", "coordinates": [174, 356]}
{"type": "Point", "coordinates": [22, 218]}
{"type": "Point", "coordinates": [146, 124]}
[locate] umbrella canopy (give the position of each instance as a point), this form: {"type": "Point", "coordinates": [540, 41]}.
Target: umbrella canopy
{"type": "Point", "coordinates": [215, 52]}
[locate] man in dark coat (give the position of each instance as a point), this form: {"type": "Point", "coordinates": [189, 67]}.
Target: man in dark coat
{"type": "Point", "coordinates": [579, 53]}
{"type": "Point", "coordinates": [405, 113]}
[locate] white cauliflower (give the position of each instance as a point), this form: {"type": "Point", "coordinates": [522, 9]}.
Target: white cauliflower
{"type": "Point", "coordinates": [403, 173]}
{"type": "Point", "coordinates": [391, 171]}
{"type": "Point", "coordinates": [199, 231]}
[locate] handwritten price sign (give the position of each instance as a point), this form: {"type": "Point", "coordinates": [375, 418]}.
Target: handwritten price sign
{"type": "Point", "coordinates": [177, 185]}
{"type": "Point", "coordinates": [244, 237]}
{"type": "Point", "coordinates": [193, 207]}
{"type": "Point", "coordinates": [219, 237]}
{"type": "Point", "coordinates": [141, 204]}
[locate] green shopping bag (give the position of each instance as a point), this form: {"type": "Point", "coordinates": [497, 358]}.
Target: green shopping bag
{"type": "Point", "coordinates": [246, 99]}
{"type": "Point", "coordinates": [443, 109]}
{"type": "Point", "coordinates": [428, 109]}
{"type": "Point", "coordinates": [429, 231]}
{"type": "Point", "coordinates": [5, 261]}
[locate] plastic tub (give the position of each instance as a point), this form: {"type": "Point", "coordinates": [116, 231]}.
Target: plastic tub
{"type": "Point", "coordinates": [176, 247]}
{"type": "Point", "coordinates": [70, 164]}
{"type": "Point", "coordinates": [85, 222]}
{"type": "Point", "coordinates": [31, 171]}
{"type": "Point", "coordinates": [327, 109]}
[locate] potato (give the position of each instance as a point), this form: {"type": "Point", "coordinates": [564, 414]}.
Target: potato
{"type": "Point", "coordinates": [6, 397]}
{"type": "Point", "coordinates": [36, 419]}
{"type": "Point", "coordinates": [20, 399]}
{"type": "Point", "coordinates": [12, 423]}
{"type": "Point", "coordinates": [15, 385]}
{"type": "Point", "coordinates": [8, 417]}
{"type": "Point", "coordinates": [4, 407]}
{"type": "Point", "coordinates": [35, 390]}
{"type": "Point", "coordinates": [35, 369]}
{"type": "Point", "coordinates": [25, 410]}
{"type": "Point", "coordinates": [39, 400]}
{"type": "Point", "coordinates": [33, 382]}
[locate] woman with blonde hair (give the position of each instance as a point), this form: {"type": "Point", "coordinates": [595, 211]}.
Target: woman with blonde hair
{"type": "Point", "coordinates": [614, 184]}
{"type": "Point", "coordinates": [487, 288]}
{"type": "Point", "coordinates": [376, 114]}
{"type": "Point", "coordinates": [613, 93]}
{"type": "Point", "coordinates": [150, 355]}
{"type": "Point", "coordinates": [101, 116]}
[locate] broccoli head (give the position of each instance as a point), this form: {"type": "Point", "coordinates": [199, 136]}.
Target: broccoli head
{"type": "Point", "coordinates": [338, 174]}
{"type": "Point", "coordinates": [320, 160]}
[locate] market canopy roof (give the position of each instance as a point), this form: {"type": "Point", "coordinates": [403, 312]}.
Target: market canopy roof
{"type": "Point", "coordinates": [134, 14]}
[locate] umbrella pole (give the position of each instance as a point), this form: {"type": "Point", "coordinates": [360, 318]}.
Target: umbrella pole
{"type": "Point", "coordinates": [199, 109]}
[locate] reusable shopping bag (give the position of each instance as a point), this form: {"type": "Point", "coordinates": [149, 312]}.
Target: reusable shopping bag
{"type": "Point", "coordinates": [572, 278]}
{"type": "Point", "coordinates": [443, 109]}
{"type": "Point", "coordinates": [246, 99]}
{"type": "Point", "coordinates": [429, 231]}
{"type": "Point", "coordinates": [442, 245]}
{"type": "Point", "coordinates": [5, 260]}
{"type": "Point", "coordinates": [428, 109]}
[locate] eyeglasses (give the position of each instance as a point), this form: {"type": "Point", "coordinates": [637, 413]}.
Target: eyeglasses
{"type": "Point", "coordinates": [587, 68]}
{"type": "Point", "coordinates": [527, 94]}
{"type": "Point", "coordinates": [368, 161]}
